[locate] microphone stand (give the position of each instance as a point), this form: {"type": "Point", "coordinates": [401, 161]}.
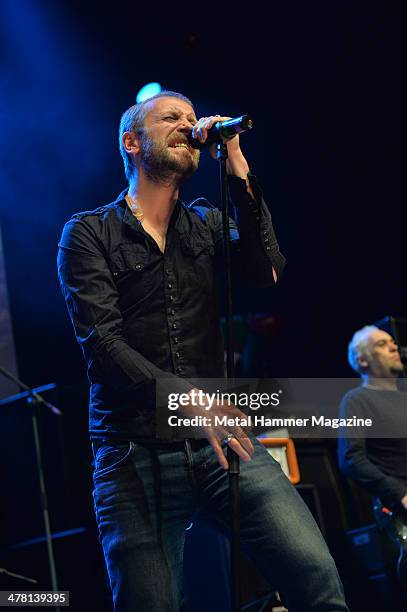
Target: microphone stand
{"type": "Point", "coordinates": [232, 457]}
{"type": "Point", "coordinates": [35, 399]}
{"type": "Point", "coordinates": [4, 571]}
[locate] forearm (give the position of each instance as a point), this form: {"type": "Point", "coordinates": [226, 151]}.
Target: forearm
{"type": "Point", "coordinates": [126, 370]}
{"type": "Point", "coordinates": [236, 165]}
{"type": "Point", "coordinates": [260, 252]}
{"type": "Point", "coordinates": [356, 465]}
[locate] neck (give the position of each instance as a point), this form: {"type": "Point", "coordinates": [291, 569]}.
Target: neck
{"type": "Point", "coordinates": [156, 200]}
{"type": "Point", "coordinates": [386, 384]}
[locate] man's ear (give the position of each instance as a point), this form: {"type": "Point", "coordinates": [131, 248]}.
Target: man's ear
{"type": "Point", "coordinates": [363, 362]}
{"type": "Point", "coordinates": [131, 143]}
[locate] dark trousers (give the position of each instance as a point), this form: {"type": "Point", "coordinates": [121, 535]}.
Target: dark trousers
{"type": "Point", "coordinates": [146, 497]}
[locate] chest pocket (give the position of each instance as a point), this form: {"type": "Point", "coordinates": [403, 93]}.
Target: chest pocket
{"type": "Point", "coordinates": [132, 273]}
{"type": "Point", "coordinates": [129, 258]}
{"type": "Point", "coordinates": [198, 254]}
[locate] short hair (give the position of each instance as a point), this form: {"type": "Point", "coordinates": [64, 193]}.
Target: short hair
{"type": "Point", "coordinates": [132, 120]}
{"type": "Point", "coordinates": [358, 347]}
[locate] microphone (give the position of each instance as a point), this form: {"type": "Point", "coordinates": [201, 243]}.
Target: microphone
{"type": "Point", "coordinates": [223, 130]}
{"type": "Point", "coordinates": [402, 351]}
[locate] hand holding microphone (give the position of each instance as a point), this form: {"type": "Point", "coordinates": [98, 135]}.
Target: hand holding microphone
{"type": "Point", "coordinates": [209, 131]}
{"type": "Point", "coordinates": [215, 129]}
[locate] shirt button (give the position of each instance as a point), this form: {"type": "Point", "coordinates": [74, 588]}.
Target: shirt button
{"type": "Point", "coordinates": [177, 354]}
{"type": "Point", "coordinates": [169, 286]}
{"type": "Point", "coordinates": [174, 326]}
{"type": "Point", "coordinates": [268, 248]}
{"type": "Point", "coordinates": [167, 271]}
{"type": "Point", "coordinates": [172, 298]}
{"type": "Point", "coordinates": [266, 240]}
{"type": "Point", "coordinates": [139, 266]}
{"type": "Point", "coordinates": [179, 370]}
{"type": "Point", "coordinates": [175, 340]}
{"type": "Point", "coordinates": [172, 312]}
{"type": "Point", "coordinates": [265, 233]}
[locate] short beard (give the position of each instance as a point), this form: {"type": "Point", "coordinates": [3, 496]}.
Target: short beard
{"type": "Point", "coordinates": [397, 369]}
{"type": "Point", "coordinates": [161, 167]}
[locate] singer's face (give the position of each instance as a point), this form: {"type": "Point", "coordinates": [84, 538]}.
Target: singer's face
{"type": "Point", "coordinates": [165, 150]}
{"type": "Point", "coordinates": [383, 356]}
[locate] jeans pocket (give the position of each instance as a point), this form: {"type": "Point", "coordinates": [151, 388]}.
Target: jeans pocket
{"type": "Point", "coordinates": [111, 456]}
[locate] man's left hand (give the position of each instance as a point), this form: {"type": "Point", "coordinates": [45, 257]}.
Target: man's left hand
{"type": "Point", "coordinates": [236, 163]}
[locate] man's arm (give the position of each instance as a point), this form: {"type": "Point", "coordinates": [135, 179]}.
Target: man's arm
{"type": "Point", "coordinates": [259, 257]}
{"type": "Point", "coordinates": [356, 465]}
{"type": "Point", "coordinates": [92, 300]}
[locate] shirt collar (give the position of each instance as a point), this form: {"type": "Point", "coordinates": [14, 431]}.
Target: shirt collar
{"type": "Point", "coordinates": [134, 223]}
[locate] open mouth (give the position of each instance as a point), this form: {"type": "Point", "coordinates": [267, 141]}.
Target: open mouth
{"type": "Point", "coordinates": [181, 144]}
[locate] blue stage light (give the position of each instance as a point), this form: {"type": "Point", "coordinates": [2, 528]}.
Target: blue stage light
{"type": "Point", "coordinates": [149, 90]}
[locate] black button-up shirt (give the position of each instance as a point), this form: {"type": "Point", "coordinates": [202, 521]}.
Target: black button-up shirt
{"type": "Point", "coordinates": [141, 315]}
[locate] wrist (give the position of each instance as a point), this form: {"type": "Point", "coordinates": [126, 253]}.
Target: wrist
{"type": "Point", "coordinates": [237, 165]}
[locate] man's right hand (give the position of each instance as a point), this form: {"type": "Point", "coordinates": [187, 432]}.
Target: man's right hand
{"type": "Point", "coordinates": [216, 434]}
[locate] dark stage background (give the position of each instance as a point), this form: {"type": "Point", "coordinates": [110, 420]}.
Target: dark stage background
{"type": "Point", "coordinates": [325, 84]}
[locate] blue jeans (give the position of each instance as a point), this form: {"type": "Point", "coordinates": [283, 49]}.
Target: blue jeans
{"type": "Point", "coordinates": [146, 497]}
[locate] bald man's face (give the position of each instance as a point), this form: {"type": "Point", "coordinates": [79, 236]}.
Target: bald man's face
{"type": "Point", "coordinates": [382, 359]}
{"type": "Point", "coordinates": [165, 150]}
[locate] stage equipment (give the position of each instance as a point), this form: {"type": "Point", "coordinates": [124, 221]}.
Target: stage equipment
{"type": "Point", "coordinates": [17, 576]}
{"type": "Point", "coordinates": [396, 327]}
{"type": "Point", "coordinates": [285, 454]}
{"type": "Point", "coordinates": [35, 400]}
{"type": "Point", "coordinates": [148, 91]}
{"type": "Point", "coordinates": [232, 457]}
{"type": "Point", "coordinates": [366, 546]}
{"type": "Point", "coordinates": [394, 524]}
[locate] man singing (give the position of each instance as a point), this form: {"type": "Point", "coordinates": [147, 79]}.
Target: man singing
{"type": "Point", "coordinates": [138, 276]}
